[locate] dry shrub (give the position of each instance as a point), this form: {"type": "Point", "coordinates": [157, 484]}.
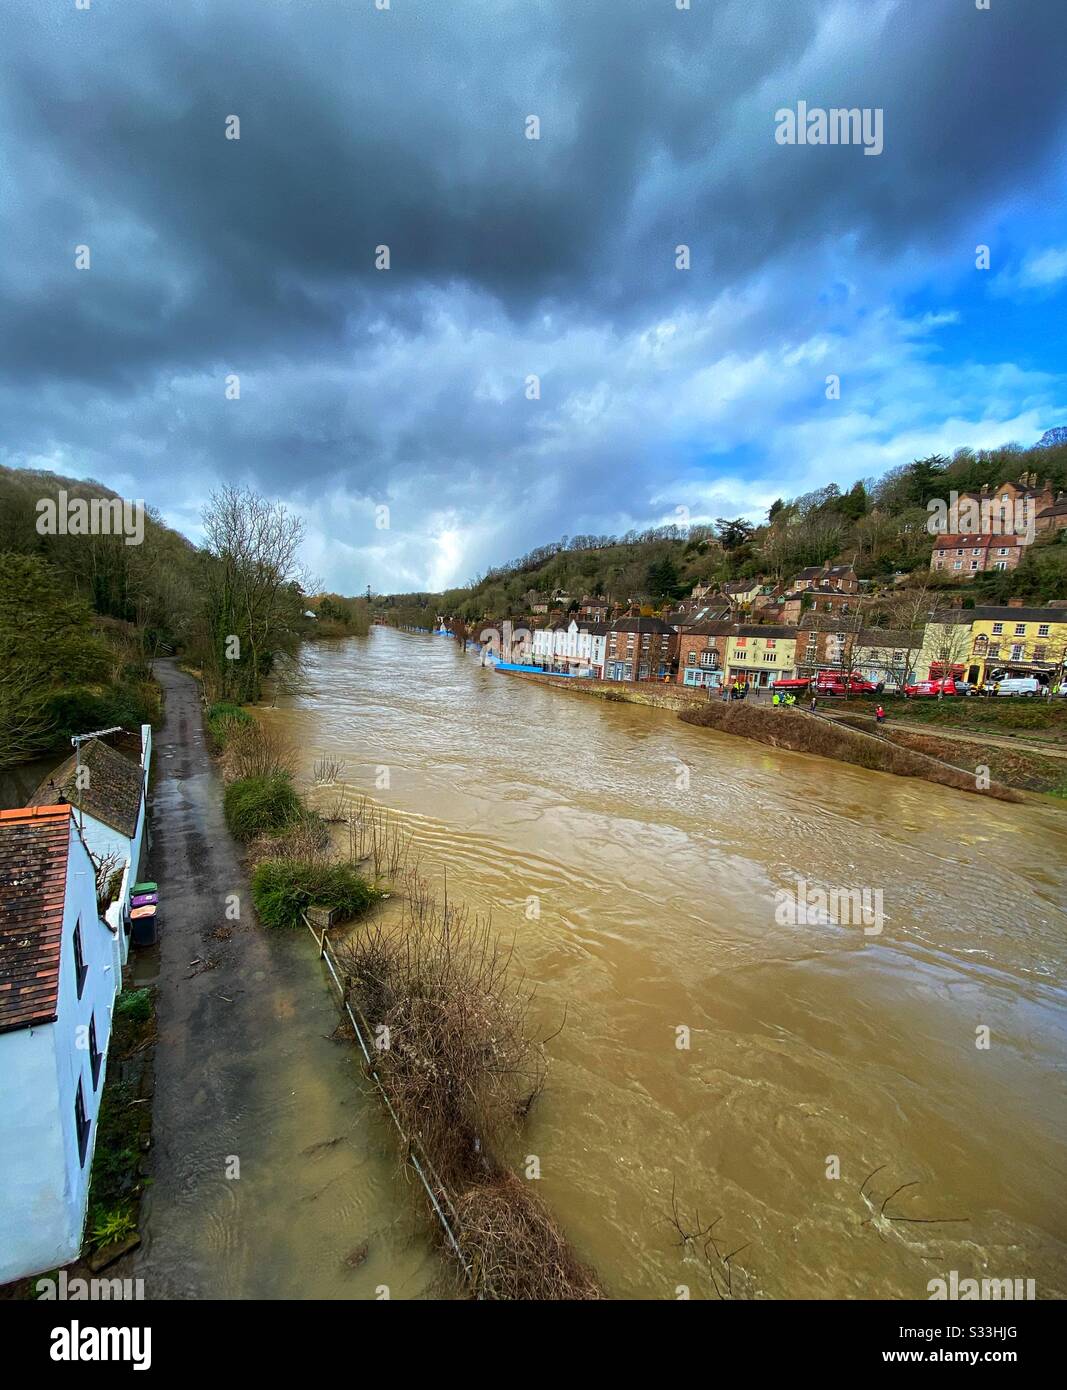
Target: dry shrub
{"type": "Point", "coordinates": [460, 1069]}
{"type": "Point", "coordinates": [461, 1072]}
{"type": "Point", "coordinates": [308, 840]}
{"type": "Point", "coordinates": [254, 751]}
{"type": "Point", "coordinates": [515, 1249]}
{"type": "Point", "coordinates": [376, 836]}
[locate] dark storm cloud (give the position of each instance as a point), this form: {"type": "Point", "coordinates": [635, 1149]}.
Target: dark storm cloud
{"type": "Point", "coordinates": [405, 127]}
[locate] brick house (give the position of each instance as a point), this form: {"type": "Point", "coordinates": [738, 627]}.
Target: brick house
{"type": "Point", "coordinates": [841, 577]}
{"type": "Point", "coordinates": [1053, 517]}
{"type": "Point", "coordinates": [756, 653]}
{"type": "Point", "coordinates": [967, 553]}
{"type": "Point", "coordinates": [639, 649]}
{"type": "Point", "coordinates": [825, 642]}
{"type": "Point", "coordinates": [702, 653]}
{"type": "Point", "coordinates": [593, 609]}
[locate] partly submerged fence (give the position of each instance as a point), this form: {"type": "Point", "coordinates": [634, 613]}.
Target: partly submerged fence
{"type": "Point", "coordinates": [440, 1200]}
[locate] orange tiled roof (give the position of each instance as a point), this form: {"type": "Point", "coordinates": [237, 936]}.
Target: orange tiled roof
{"type": "Point", "coordinates": [34, 843]}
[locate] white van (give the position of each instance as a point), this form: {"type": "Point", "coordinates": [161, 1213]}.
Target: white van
{"type": "Point", "coordinates": [1019, 685]}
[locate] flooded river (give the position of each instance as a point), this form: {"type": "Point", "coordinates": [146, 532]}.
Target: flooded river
{"type": "Point", "coordinates": [636, 860]}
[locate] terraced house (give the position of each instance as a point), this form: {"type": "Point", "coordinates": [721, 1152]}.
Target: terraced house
{"type": "Point", "coordinates": [639, 649]}
{"type": "Point", "coordinates": [758, 654]}
{"type": "Point", "coordinates": [989, 643]}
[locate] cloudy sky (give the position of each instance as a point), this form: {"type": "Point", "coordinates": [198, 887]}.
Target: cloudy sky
{"type": "Point", "coordinates": [407, 127]}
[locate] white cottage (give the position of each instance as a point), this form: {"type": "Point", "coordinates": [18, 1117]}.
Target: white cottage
{"type": "Point", "coordinates": [571, 648]}
{"type": "Point", "coordinates": [110, 806]}
{"type": "Point", "coordinates": [58, 980]}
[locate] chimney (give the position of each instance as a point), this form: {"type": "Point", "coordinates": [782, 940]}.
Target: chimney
{"type": "Point", "coordinates": [1015, 603]}
{"type": "Point", "coordinates": [985, 490]}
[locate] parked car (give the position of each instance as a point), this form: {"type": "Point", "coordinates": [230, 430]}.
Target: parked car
{"type": "Point", "coordinates": [924, 689]}
{"type": "Point", "coordinates": [837, 683]}
{"type": "Point", "coordinates": [1018, 685]}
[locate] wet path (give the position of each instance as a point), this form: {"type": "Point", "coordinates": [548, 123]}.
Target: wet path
{"type": "Point", "coordinates": [271, 1169]}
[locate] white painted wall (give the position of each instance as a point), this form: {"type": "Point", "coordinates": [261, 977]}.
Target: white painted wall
{"type": "Point", "coordinates": [45, 1184]}
{"type": "Point", "coordinates": [101, 838]}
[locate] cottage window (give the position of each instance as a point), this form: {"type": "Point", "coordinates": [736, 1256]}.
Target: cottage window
{"type": "Point", "coordinates": [81, 1123]}
{"type": "Point", "coordinates": [1020, 629]}
{"type": "Point", "coordinates": [1042, 629]}
{"type": "Point", "coordinates": [691, 657]}
{"type": "Point", "coordinates": [998, 628]}
{"type": "Point", "coordinates": [1039, 653]}
{"type": "Point", "coordinates": [1017, 652]}
{"type": "Point", "coordinates": [94, 1052]}
{"type": "Point", "coordinates": [80, 968]}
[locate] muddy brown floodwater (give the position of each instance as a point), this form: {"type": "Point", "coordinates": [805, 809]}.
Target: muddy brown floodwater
{"type": "Point", "coordinates": [654, 852]}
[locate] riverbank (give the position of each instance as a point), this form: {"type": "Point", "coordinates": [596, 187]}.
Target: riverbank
{"type": "Point", "coordinates": [807, 733]}
{"type": "Point", "coordinates": [798, 731]}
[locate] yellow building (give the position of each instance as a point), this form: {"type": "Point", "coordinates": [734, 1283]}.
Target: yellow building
{"type": "Point", "coordinates": [980, 642]}
{"type": "Point", "coordinates": [711, 653]}
{"type": "Point", "coordinates": [760, 655]}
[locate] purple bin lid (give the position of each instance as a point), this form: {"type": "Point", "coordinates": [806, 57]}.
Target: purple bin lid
{"type": "Point", "coordinates": [143, 899]}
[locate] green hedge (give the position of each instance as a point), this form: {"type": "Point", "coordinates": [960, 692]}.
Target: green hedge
{"type": "Point", "coordinates": [283, 888]}
{"type": "Point", "coordinates": [222, 718]}
{"type": "Point", "coordinates": [261, 805]}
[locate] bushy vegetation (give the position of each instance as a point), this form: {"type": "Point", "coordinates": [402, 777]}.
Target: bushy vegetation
{"type": "Point", "coordinates": [461, 1075]}
{"type": "Point", "coordinates": [58, 674]}
{"type": "Point", "coordinates": [261, 805]}
{"type": "Point", "coordinates": [223, 718]}
{"type": "Point", "coordinates": [123, 1126]}
{"type": "Point", "coordinates": [134, 1005]}
{"type": "Point", "coordinates": [283, 888]}
{"type": "Point", "coordinates": [339, 617]}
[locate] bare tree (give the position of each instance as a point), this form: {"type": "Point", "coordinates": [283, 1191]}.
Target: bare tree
{"type": "Point", "coordinates": [254, 585]}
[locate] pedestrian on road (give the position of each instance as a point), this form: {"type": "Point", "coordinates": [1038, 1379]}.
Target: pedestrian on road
{"type": "Point", "coordinates": [776, 700]}
{"type": "Point", "coordinates": [814, 704]}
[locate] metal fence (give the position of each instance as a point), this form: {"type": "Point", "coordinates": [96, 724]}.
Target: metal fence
{"type": "Point", "coordinates": [443, 1206]}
